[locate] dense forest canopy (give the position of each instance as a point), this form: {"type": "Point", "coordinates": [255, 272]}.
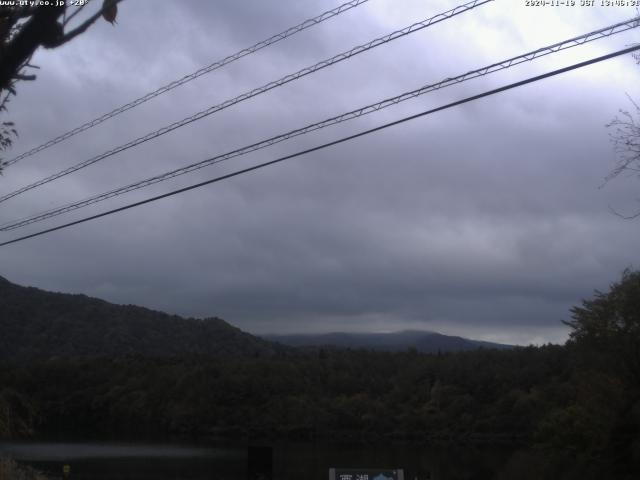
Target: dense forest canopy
{"type": "Point", "coordinates": [38, 325]}
{"type": "Point", "coordinates": [582, 398]}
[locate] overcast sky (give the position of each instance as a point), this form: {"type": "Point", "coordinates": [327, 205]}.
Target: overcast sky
{"type": "Point", "coordinates": [485, 220]}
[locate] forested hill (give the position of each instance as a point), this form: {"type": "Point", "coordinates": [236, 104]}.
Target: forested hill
{"type": "Point", "coordinates": [422, 341]}
{"type": "Point", "coordinates": [38, 325]}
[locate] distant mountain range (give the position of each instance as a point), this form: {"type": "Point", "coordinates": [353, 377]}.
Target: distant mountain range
{"type": "Point", "coordinates": [422, 341]}
{"type": "Point", "coordinates": [36, 324]}
{"type": "Point", "coordinates": [39, 325]}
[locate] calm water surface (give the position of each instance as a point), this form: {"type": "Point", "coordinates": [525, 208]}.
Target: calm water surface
{"type": "Point", "coordinates": [306, 461]}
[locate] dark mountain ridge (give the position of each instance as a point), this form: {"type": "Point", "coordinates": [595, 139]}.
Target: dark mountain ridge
{"type": "Point", "coordinates": [36, 325]}
{"type": "Point", "coordinates": [423, 341]}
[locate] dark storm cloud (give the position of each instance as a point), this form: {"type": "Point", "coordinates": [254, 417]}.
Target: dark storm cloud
{"type": "Point", "coordinates": [484, 220]}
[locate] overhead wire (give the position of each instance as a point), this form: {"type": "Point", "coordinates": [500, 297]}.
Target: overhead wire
{"type": "Point", "coordinates": [334, 142]}
{"type": "Point", "coordinates": [504, 64]}
{"type": "Point", "coordinates": [192, 76]}
{"type": "Point", "coordinates": [257, 91]}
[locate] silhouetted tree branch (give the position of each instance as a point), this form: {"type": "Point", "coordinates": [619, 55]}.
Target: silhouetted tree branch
{"type": "Point", "coordinates": [626, 141]}
{"type": "Point", "coordinates": [23, 29]}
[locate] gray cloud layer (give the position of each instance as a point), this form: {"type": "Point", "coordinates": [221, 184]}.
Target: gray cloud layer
{"type": "Point", "coordinates": [485, 220]}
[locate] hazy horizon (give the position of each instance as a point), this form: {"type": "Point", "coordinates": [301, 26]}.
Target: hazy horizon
{"type": "Point", "coordinates": [484, 221]}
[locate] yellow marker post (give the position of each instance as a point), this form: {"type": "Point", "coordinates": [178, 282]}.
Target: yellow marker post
{"type": "Point", "coordinates": [66, 470]}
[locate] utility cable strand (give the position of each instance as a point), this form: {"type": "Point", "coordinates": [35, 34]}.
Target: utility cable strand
{"type": "Point", "coordinates": [192, 76]}
{"type": "Point", "coordinates": [245, 96]}
{"type": "Point", "coordinates": [580, 40]}
{"type": "Point", "coordinates": [332, 143]}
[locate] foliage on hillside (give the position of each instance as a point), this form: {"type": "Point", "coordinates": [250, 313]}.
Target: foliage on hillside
{"type": "Point", "coordinates": [10, 470]}
{"type": "Point", "coordinates": [582, 398]}
{"type": "Point", "coordinates": [38, 325]}
{"type": "Point", "coordinates": [487, 395]}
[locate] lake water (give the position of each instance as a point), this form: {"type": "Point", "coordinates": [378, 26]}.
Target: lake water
{"type": "Point", "coordinates": [306, 461]}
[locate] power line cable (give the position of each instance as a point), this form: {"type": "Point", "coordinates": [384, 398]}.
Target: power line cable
{"type": "Point", "coordinates": [245, 96]}
{"type": "Point", "coordinates": [572, 42]}
{"type": "Point", "coordinates": [198, 73]}
{"type": "Point", "coordinates": [332, 143]}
